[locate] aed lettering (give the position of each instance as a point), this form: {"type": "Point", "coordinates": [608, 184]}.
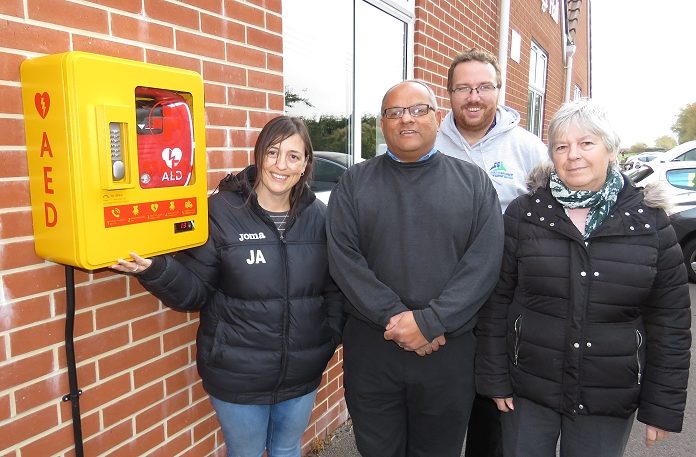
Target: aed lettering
{"type": "Point", "coordinates": [174, 175]}
{"type": "Point", "coordinates": [50, 211]}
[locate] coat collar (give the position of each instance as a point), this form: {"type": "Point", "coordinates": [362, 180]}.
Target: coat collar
{"type": "Point", "coordinates": [243, 184]}
{"type": "Point", "coordinates": [628, 217]}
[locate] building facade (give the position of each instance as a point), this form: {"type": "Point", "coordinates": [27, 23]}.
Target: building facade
{"type": "Point", "coordinates": [329, 62]}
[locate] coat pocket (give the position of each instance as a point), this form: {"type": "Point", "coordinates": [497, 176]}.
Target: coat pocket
{"type": "Point", "coordinates": [216, 345]}
{"type": "Point", "coordinates": [639, 345]}
{"type": "Point", "coordinates": [613, 355]}
{"type": "Point", "coordinates": [517, 340]}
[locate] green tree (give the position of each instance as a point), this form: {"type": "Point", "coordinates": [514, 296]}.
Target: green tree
{"type": "Point", "coordinates": [368, 136]}
{"type": "Point", "coordinates": [685, 127]}
{"type": "Point", "coordinates": [291, 97]}
{"type": "Point", "coordinates": [665, 142]}
{"type": "Point", "coordinates": [328, 132]}
{"type": "Point", "coordinates": [637, 149]}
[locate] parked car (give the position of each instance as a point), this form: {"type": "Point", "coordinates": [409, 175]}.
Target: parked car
{"type": "Point", "coordinates": [681, 153]}
{"type": "Point", "coordinates": [678, 179]}
{"type": "Point", "coordinates": [329, 166]}
{"type": "Point", "coordinates": [637, 161]}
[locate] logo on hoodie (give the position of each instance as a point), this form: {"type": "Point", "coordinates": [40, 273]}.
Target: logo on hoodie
{"type": "Point", "coordinates": [498, 170]}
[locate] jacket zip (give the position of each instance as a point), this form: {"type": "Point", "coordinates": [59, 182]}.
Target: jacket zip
{"type": "Point", "coordinates": [286, 310]}
{"type": "Point", "coordinates": [518, 337]}
{"type": "Point", "coordinates": [639, 343]}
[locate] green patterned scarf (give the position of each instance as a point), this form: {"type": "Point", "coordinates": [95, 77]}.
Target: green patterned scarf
{"type": "Point", "coordinates": [600, 202]}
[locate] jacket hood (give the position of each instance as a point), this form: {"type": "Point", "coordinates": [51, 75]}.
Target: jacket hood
{"type": "Point", "coordinates": [654, 195]}
{"type": "Point", "coordinates": [243, 184]}
{"type": "Point", "coordinates": [506, 119]}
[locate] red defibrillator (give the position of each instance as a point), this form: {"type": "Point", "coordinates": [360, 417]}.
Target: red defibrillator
{"type": "Point", "coordinates": [165, 138]}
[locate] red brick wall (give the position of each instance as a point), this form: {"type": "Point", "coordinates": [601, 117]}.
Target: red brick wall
{"type": "Point", "coordinates": [136, 358]}
{"type": "Point", "coordinates": [444, 28]}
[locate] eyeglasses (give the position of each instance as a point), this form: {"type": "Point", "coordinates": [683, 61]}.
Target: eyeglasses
{"type": "Point", "coordinates": [483, 89]}
{"type": "Point", "coordinates": [397, 112]}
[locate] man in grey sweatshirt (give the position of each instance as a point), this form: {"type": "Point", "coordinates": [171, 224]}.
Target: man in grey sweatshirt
{"type": "Point", "coordinates": [415, 240]}
{"type": "Point", "coordinates": [481, 131]}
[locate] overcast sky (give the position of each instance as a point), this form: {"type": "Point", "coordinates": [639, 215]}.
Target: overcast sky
{"type": "Point", "coordinates": [643, 64]}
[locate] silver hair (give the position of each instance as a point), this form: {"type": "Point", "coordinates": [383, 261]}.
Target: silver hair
{"type": "Point", "coordinates": [431, 94]}
{"type": "Point", "coordinates": [588, 116]}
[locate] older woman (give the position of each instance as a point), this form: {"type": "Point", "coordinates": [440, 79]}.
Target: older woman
{"type": "Point", "coordinates": [590, 320]}
{"type": "Point", "coordinates": [270, 314]}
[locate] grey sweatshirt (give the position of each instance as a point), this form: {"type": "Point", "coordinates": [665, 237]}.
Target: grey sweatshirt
{"type": "Point", "coordinates": [424, 236]}
{"type": "Point", "coordinates": [507, 153]}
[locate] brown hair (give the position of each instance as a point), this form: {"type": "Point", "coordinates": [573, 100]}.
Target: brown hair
{"type": "Point", "coordinates": [476, 55]}
{"type": "Point", "coordinates": [275, 131]}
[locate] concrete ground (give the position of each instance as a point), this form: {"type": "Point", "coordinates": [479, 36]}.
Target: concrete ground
{"type": "Point", "coordinates": [342, 442]}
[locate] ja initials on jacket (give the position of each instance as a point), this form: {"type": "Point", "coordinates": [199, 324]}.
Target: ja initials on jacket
{"type": "Point", "coordinates": [255, 255]}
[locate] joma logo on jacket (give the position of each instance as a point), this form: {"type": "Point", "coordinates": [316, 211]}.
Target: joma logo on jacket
{"type": "Point", "coordinates": [252, 236]}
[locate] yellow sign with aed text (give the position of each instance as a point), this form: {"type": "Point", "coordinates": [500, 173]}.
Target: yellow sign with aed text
{"type": "Point", "coordinates": [117, 158]}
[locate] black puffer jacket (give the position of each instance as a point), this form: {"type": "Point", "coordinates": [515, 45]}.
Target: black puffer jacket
{"type": "Point", "coordinates": [270, 316]}
{"type": "Point", "coordinates": [595, 327]}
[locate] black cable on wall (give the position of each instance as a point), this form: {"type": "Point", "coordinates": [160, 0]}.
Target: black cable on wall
{"type": "Point", "coordinates": [75, 392]}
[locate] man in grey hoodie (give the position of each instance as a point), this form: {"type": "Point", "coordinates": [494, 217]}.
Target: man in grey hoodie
{"type": "Point", "coordinates": [481, 131]}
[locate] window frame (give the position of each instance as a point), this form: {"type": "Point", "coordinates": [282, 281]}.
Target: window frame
{"type": "Point", "coordinates": [538, 70]}
{"type": "Point", "coordinates": [358, 56]}
{"type": "Point", "coordinates": [404, 11]}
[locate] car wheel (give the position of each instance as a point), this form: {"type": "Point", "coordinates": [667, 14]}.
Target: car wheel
{"type": "Point", "coordinates": [689, 251]}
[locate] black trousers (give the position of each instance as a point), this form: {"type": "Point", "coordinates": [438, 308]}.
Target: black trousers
{"type": "Point", "coordinates": [484, 437]}
{"type": "Point", "coordinates": [403, 405]}
{"type": "Point", "coordinates": [532, 430]}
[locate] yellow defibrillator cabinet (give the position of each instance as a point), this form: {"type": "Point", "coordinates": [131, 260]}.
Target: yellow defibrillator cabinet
{"type": "Point", "coordinates": [116, 155]}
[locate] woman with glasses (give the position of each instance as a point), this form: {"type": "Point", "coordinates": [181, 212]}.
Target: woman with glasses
{"type": "Point", "coordinates": [270, 315]}
{"type": "Point", "coordinates": [590, 320]}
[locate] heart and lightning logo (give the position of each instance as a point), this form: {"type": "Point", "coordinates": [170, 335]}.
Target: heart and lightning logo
{"type": "Point", "coordinates": [172, 157]}
{"type": "Point", "coordinates": [42, 103]}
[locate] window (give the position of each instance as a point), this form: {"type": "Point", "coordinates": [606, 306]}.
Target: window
{"type": "Point", "coordinates": [688, 155]}
{"type": "Point", "coordinates": [537, 88]}
{"type": "Point", "coordinates": [318, 70]}
{"type": "Point", "coordinates": [682, 179]}
{"type": "Point", "coordinates": [339, 58]}
{"type": "Point", "coordinates": [577, 92]}
{"type": "Point", "coordinates": [379, 64]}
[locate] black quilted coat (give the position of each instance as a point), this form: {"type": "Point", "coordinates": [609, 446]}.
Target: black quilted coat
{"type": "Point", "coordinates": [593, 327]}
{"type": "Point", "coordinates": [270, 316]}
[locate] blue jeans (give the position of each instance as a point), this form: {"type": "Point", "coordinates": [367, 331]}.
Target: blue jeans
{"type": "Point", "coordinates": [249, 429]}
